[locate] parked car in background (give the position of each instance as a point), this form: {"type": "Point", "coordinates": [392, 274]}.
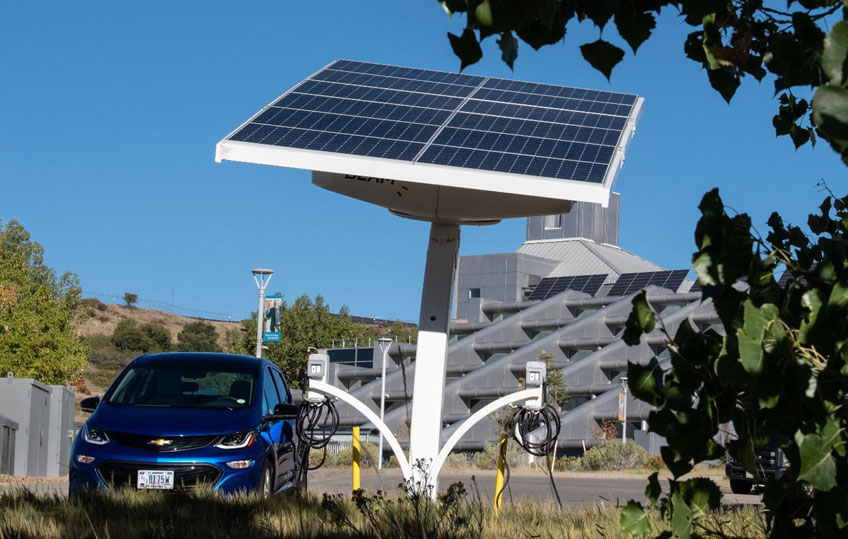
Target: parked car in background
{"type": "Point", "coordinates": [179, 420]}
{"type": "Point", "coordinates": [770, 463]}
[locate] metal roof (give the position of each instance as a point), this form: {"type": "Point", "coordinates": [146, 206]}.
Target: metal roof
{"type": "Point", "coordinates": [584, 257]}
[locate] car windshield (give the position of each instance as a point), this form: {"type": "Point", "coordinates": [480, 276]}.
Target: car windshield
{"type": "Point", "coordinates": [186, 386]}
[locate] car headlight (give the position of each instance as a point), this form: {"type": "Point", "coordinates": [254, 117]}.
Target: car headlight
{"type": "Point", "coordinates": [239, 440]}
{"type": "Point", "coordinates": [95, 436]}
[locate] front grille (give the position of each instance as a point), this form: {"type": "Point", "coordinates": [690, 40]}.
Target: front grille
{"type": "Point", "coordinates": [768, 459]}
{"type": "Point", "coordinates": [122, 474]}
{"type": "Point", "coordinates": [167, 443]}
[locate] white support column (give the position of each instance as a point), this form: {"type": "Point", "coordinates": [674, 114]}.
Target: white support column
{"type": "Point", "coordinates": [430, 358]}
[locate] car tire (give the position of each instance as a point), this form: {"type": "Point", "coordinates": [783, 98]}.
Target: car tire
{"type": "Point", "coordinates": [740, 487]}
{"type": "Point", "coordinates": [266, 482]}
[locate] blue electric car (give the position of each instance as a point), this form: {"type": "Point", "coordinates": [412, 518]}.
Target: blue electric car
{"type": "Point", "coordinates": [179, 420]}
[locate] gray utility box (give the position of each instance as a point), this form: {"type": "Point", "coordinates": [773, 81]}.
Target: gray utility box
{"type": "Point", "coordinates": [61, 433]}
{"type": "Point", "coordinates": [8, 432]}
{"type": "Point", "coordinates": [27, 402]}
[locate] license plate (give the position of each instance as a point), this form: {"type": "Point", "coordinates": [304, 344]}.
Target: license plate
{"type": "Point", "coordinates": [155, 479]}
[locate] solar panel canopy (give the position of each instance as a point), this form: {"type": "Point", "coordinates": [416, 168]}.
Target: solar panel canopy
{"type": "Point", "coordinates": [533, 147]}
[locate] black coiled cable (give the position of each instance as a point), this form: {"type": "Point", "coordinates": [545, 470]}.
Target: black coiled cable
{"type": "Point", "coordinates": [317, 423]}
{"type": "Point", "coordinates": [525, 421]}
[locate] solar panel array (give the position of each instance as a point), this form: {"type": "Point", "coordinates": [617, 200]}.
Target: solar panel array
{"type": "Point", "coordinates": [447, 119]}
{"type": "Point", "coordinates": [628, 283]}
{"type": "Point", "coordinates": [550, 286]}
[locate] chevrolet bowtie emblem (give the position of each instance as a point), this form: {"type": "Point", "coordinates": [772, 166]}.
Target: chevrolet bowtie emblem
{"type": "Point", "coordinates": [159, 442]}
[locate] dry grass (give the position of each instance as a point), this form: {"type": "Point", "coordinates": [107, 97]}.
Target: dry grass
{"type": "Point", "coordinates": [103, 319]}
{"type": "Point", "coordinates": [130, 514]}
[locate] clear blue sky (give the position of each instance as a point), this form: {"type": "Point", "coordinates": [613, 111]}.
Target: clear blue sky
{"type": "Point", "coordinates": [110, 111]}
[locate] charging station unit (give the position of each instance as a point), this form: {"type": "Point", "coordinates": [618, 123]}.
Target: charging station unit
{"type": "Point", "coordinates": [448, 149]}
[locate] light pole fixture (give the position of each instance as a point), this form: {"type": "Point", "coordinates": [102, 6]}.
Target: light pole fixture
{"type": "Point", "coordinates": [624, 415]}
{"type": "Point", "coordinates": [384, 343]}
{"type": "Point", "coordinates": [262, 277]}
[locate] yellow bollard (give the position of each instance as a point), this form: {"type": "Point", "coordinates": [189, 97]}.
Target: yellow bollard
{"type": "Point", "coordinates": [355, 446]}
{"type": "Point", "coordinates": [499, 481]}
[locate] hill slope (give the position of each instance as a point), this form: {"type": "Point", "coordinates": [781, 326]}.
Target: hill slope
{"type": "Point", "coordinates": [101, 319]}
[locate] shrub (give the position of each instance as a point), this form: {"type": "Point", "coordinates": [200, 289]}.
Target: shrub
{"type": "Point", "coordinates": [458, 460]}
{"type": "Point", "coordinates": [94, 303]}
{"type": "Point", "coordinates": [148, 337]}
{"type": "Point", "coordinates": [611, 455]}
{"type": "Point", "coordinates": [159, 340]}
{"type": "Point", "coordinates": [198, 336]}
{"type": "Point", "coordinates": [367, 457]}
{"type": "Point", "coordinates": [654, 462]}
{"type": "Point", "coordinates": [487, 459]}
{"type": "Point", "coordinates": [128, 336]}
{"type": "Point", "coordinates": [567, 464]}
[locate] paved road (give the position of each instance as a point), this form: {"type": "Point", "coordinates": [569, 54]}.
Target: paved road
{"type": "Point", "coordinates": [575, 489]}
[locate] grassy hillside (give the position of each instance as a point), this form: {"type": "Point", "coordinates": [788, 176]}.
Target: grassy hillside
{"type": "Point", "coordinates": [102, 318]}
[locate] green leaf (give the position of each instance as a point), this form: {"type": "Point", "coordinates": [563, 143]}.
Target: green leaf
{"type": "Point", "coordinates": [653, 490]}
{"type": "Point", "coordinates": [813, 303]}
{"type": "Point", "coordinates": [702, 495]}
{"type": "Point", "coordinates": [641, 320]}
{"type": "Point", "coordinates": [634, 520]}
{"type": "Point", "coordinates": [690, 501]}
{"type": "Point", "coordinates": [838, 296]}
{"type": "Point", "coordinates": [724, 80]}
{"type": "Point", "coordinates": [509, 48]}
{"type": "Point", "coordinates": [646, 382]}
{"type": "Point", "coordinates": [466, 48]}
{"type": "Point", "coordinates": [835, 56]}
{"type": "Point", "coordinates": [756, 323]}
{"type": "Point", "coordinates": [818, 467]}
{"type": "Point", "coordinates": [633, 25]}
{"type": "Point", "coordinates": [600, 11]}
{"type": "Point", "coordinates": [602, 55]}
{"type": "Point", "coordinates": [830, 112]}
{"type": "Point", "coordinates": [483, 13]}
{"type": "Point", "coordinates": [676, 464]}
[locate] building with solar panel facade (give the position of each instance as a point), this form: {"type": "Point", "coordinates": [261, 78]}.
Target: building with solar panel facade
{"type": "Point", "coordinates": [565, 292]}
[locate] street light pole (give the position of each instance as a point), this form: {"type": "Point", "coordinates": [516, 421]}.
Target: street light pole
{"type": "Point", "coordinates": [262, 277]}
{"type": "Point", "coordinates": [385, 343]}
{"type": "Point", "coordinates": [624, 415]}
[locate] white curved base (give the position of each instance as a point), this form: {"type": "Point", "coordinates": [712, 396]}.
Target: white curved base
{"type": "Point", "coordinates": [523, 395]}
{"type": "Point", "coordinates": [327, 389]}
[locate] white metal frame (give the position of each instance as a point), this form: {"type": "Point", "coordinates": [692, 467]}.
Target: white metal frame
{"type": "Point", "coordinates": [333, 391]}
{"type": "Point", "coordinates": [384, 343]}
{"type": "Point", "coordinates": [430, 474]}
{"type": "Point", "coordinates": [426, 173]}
{"type": "Point", "coordinates": [534, 394]}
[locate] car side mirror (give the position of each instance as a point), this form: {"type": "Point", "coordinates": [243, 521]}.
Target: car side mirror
{"type": "Point", "coordinates": [286, 411]}
{"type": "Point", "coordinates": [88, 404]}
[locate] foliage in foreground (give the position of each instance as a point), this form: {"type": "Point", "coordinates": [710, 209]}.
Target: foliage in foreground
{"type": "Point", "coordinates": [778, 373]}
{"type": "Point", "coordinates": [203, 514]}
{"type": "Point", "coordinates": [36, 312]}
{"type": "Point", "coordinates": [802, 44]}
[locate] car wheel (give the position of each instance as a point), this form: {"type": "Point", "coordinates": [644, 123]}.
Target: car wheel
{"type": "Point", "coordinates": [266, 481]}
{"type": "Point", "coordinates": [740, 487]}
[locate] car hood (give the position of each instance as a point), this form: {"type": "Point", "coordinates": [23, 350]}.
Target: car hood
{"type": "Point", "coordinates": [166, 421]}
